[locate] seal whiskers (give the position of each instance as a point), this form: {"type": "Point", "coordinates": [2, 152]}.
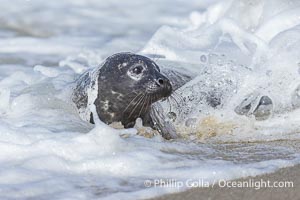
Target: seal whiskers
{"type": "Point", "coordinates": [128, 106]}
{"type": "Point", "coordinates": [137, 104]}
{"type": "Point", "coordinates": [142, 105]}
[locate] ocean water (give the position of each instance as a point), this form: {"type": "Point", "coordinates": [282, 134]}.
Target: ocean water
{"type": "Point", "coordinates": [235, 47]}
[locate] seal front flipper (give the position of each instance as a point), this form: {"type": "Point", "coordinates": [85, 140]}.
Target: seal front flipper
{"type": "Point", "coordinates": [260, 106]}
{"type": "Point", "coordinates": [160, 122]}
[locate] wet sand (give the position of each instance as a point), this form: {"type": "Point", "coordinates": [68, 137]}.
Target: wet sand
{"type": "Point", "coordinates": [290, 174]}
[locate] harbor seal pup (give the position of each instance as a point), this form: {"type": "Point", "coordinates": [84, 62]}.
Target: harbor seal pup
{"type": "Point", "coordinates": [122, 89]}
{"type": "Point", "coordinates": [128, 86]}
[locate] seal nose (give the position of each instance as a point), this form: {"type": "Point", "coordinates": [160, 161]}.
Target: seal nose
{"type": "Point", "coordinates": [162, 82]}
{"type": "Point", "coordinates": [165, 85]}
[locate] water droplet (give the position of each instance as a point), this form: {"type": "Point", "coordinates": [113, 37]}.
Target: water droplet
{"type": "Point", "coordinates": [203, 58]}
{"type": "Point", "coordinates": [172, 116]}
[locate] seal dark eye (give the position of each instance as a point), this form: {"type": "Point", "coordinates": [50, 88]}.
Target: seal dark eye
{"type": "Point", "coordinates": [138, 69]}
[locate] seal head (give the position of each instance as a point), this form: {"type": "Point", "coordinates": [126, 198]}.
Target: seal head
{"type": "Point", "coordinates": [127, 85]}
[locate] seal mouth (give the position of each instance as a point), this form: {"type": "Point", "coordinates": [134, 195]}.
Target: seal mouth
{"type": "Point", "coordinates": [139, 103]}
{"type": "Point", "coordinates": [160, 89]}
